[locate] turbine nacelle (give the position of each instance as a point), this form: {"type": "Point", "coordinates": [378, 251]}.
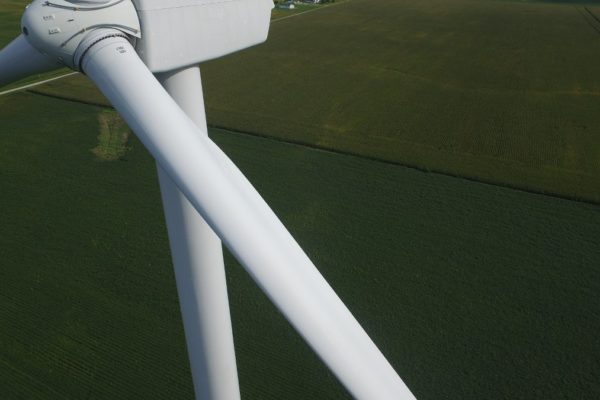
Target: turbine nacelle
{"type": "Point", "coordinates": [176, 34]}
{"type": "Point", "coordinates": [182, 33]}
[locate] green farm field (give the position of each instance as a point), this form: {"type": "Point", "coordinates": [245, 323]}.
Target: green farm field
{"type": "Point", "coordinates": [504, 92]}
{"type": "Point", "coordinates": [499, 91]}
{"type": "Point", "coordinates": [472, 290]}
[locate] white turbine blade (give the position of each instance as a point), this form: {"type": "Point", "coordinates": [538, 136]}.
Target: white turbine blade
{"type": "Point", "coordinates": [242, 220]}
{"type": "Point", "coordinates": [19, 59]}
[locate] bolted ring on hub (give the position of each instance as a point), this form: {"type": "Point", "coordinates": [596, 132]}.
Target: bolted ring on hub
{"type": "Point", "coordinates": [57, 27]}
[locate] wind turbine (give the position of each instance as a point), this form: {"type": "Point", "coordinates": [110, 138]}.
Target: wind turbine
{"type": "Point", "coordinates": [143, 55]}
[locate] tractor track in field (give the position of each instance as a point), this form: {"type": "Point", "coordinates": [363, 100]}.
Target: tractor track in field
{"type": "Point", "coordinates": [34, 84]}
{"type": "Point", "coordinates": [592, 14]}
{"type": "Point", "coordinates": [309, 11]}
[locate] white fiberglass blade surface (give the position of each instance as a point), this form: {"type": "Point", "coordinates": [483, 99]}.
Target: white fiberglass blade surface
{"type": "Point", "coordinates": [19, 60]}
{"type": "Point", "coordinates": [199, 267]}
{"type": "Point", "coordinates": [242, 220]}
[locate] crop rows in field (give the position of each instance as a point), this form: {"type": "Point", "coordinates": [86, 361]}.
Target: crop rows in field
{"type": "Point", "coordinates": [432, 267]}
{"type": "Point", "coordinates": [88, 307]}
{"type": "Point", "coordinates": [440, 85]}
{"type": "Point", "coordinates": [471, 291]}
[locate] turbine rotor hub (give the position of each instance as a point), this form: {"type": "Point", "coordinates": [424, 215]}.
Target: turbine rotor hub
{"type": "Point", "coordinates": [57, 27]}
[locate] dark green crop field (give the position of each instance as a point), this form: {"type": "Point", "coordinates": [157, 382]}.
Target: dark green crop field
{"type": "Point", "coordinates": [472, 290]}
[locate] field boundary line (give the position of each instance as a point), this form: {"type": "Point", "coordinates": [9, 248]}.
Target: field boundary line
{"type": "Point", "coordinates": [34, 84]}
{"type": "Point", "coordinates": [467, 177]}
{"type": "Point", "coordinates": [537, 191]}
{"type": "Point", "coordinates": [308, 11]}
{"type": "Point", "coordinates": [70, 99]}
{"type": "Point", "coordinates": [592, 14]}
{"type": "Point", "coordinates": [586, 19]}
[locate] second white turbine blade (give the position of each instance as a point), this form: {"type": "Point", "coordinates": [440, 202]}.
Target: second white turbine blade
{"type": "Point", "coordinates": [242, 220]}
{"type": "Point", "coordinates": [19, 59]}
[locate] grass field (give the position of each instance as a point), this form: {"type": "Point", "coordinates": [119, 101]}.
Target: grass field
{"type": "Point", "coordinates": [473, 291]}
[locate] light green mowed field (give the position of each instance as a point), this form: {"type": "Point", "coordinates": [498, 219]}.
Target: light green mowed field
{"type": "Point", "coordinates": [473, 291]}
